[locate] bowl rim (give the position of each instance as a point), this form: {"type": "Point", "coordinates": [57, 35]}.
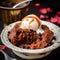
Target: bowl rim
{"type": "Point", "coordinates": [18, 8]}
{"type": "Point", "coordinates": [35, 51]}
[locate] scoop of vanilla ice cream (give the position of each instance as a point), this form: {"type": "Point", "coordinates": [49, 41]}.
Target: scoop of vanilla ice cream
{"type": "Point", "coordinates": [30, 22]}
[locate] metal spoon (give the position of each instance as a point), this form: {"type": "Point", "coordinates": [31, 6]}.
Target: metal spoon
{"type": "Point", "coordinates": [20, 3]}
{"type": "Point", "coordinates": [7, 57]}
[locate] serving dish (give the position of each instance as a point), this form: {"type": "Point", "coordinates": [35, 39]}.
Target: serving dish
{"type": "Point", "coordinates": [28, 53]}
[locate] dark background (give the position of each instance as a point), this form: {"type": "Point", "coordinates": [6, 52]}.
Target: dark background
{"type": "Point", "coordinates": [55, 6]}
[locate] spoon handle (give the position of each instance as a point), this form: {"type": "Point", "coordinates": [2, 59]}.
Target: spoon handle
{"type": "Point", "coordinates": [7, 57]}
{"type": "Point", "coordinates": [20, 3]}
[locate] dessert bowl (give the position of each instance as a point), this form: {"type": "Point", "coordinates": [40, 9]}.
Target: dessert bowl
{"type": "Point", "coordinates": [28, 53]}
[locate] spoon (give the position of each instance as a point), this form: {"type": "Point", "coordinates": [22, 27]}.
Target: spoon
{"type": "Point", "coordinates": [7, 57]}
{"type": "Point", "coordinates": [20, 3]}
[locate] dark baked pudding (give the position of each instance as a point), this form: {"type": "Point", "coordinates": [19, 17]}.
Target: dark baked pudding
{"type": "Point", "coordinates": [30, 39]}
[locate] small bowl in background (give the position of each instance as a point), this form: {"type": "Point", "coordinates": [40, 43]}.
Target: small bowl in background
{"type": "Point", "coordinates": [10, 14]}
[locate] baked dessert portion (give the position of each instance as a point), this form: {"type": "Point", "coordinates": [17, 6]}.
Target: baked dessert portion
{"type": "Point", "coordinates": [29, 38]}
